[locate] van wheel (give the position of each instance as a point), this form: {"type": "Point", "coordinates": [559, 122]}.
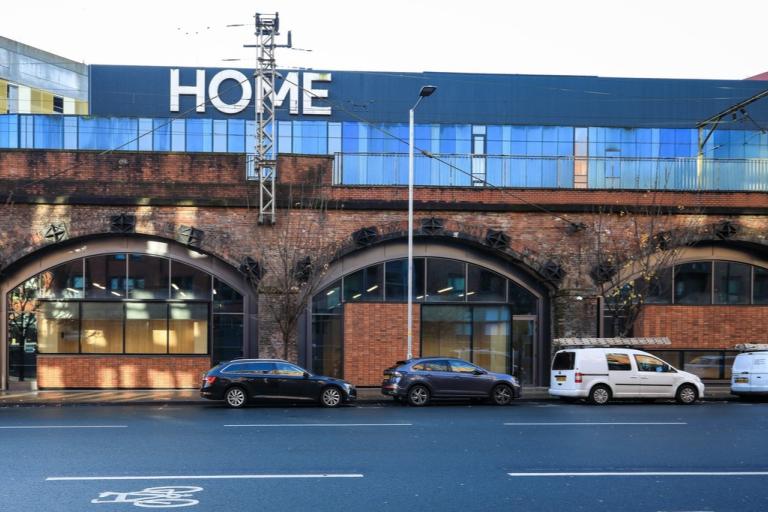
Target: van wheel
{"type": "Point", "coordinates": [686, 394]}
{"type": "Point", "coordinates": [600, 395]}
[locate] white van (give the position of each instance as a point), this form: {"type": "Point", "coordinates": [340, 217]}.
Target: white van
{"type": "Point", "coordinates": [750, 373]}
{"type": "Point", "coordinates": [600, 374]}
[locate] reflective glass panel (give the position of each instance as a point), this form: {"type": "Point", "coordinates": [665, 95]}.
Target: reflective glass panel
{"type": "Point", "coordinates": [523, 302]}
{"type": "Point", "coordinates": [707, 365]}
{"type": "Point", "coordinates": [227, 337]}
{"type": "Point", "coordinates": [396, 277]}
{"type": "Point", "coordinates": [657, 290]}
{"type": "Point", "coordinates": [445, 280]}
{"type": "Point", "coordinates": [446, 331]}
{"type": "Point", "coordinates": [61, 282]}
{"type": "Point", "coordinates": [693, 283]}
{"type": "Point", "coordinates": [491, 331]}
{"type": "Point", "coordinates": [102, 328]}
{"type": "Point", "coordinates": [732, 282]}
{"type": "Point", "coordinates": [364, 285]}
{"type": "Point", "coordinates": [188, 329]}
{"type": "Point", "coordinates": [328, 301]}
{"type": "Point", "coordinates": [58, 327]}
{"type": "Point", "coordinates": [147, 277]}
{"type": "Point", "coordinates": [327, 336]}
{"type": "Point", "coordinates": [225, 298]}
{"type": "Point", "coordinates": [188, 282]}
{"type": "Point", "coordinates": [146, 328]}
{"type": "Point", "coordinates": [484, 285]}
{"type": "Point", "coordinates": [105, 277]}
{"type": "Point", "coordinates": [760, 291]}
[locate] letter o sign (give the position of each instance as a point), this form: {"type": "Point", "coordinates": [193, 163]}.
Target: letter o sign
{"type": "Point", "coordinates": [218, 103]}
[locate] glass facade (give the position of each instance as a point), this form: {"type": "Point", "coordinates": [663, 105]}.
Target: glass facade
{"type": "Point", "coordinates": [459, 154]}
{"type": "Point", "coordinates": [122, 304]}
{"type": "Point", "coordinates": [497, 330]}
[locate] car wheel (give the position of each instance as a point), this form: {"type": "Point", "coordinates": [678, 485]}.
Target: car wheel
{"type": "Point", "coordinates": [330, 397]}
{"type": "Point", "coordinates": [687, 394]}
{"type": "Point", "coordinates": [418, 396]}
{"type": "Point", "coordinates": [600, 395]}
{"type": "Point", "coordinates": [502, 395]}
{"type": "Point", "coordinates": [235, 397]}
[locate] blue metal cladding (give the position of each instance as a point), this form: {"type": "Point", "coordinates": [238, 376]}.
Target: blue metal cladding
{"type": "Point", "coordinates": [461, 98]}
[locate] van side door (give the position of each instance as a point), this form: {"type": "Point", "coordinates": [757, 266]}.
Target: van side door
{"type": "Point", "coordinates": [622, 375]}
{"type": "Point", "coordinates": [657, 378]}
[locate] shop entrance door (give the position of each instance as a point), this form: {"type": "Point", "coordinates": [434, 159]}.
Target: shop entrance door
{"type": "Point", "coordinates": [524, 349]}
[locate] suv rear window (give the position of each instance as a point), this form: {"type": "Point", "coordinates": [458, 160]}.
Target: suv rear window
{"type": "Point", "coordinates": [564, 361]}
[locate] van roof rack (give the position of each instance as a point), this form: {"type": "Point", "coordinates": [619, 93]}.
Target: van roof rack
{"type": "Point", "coordinates": [751, 347]}
{"type": "Point", "coordinates": [609, 342]}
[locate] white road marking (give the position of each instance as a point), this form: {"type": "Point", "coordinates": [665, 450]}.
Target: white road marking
{"type": "Point", "coordinates": [324, 425]}
{"type": "Point", "coordinates": [589, 423]}
{"type": "Point", "coordinates": [203, 477]}
{"type": "Point", "coordinates": [61, 426]}
{"type": "Point", "coordinates": [649, 473]}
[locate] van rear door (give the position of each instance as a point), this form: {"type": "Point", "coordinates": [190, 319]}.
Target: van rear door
{"type": "Point", "coordinates": [758, 378]}
{"type": "Point", "coordinates": [563, 374]}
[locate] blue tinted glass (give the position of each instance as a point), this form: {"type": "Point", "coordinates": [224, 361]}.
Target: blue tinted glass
{"type": "Point", "coordinates": [644, 135]}
{"type": "Point", "coordinates": [49, 132]}
{"type": "Point", "coordinates": [26, 132]}
{"type": "Point", "coordinates": [494, 169]}
{"type": "Point", "coordinates": [236, 136]}
{"type": "Point", "coordinates": [178, 134]}
{"type": "Point", "coordinates": [533, 170]}
{"type": "Point", "coordinates": [161, 137]}
{"type": "Point", "coordinates": [463, 139]}
{"type": "Point", "coordinates": [447, 139]}
{"type": "Point", "coordinates": [549, 134]}
{"type": "Point", "coordinates": [70, 132]}
{"type": "Point", "coordinates": [9, 131]}
{"type": "Point", "coordinates": [581, 134]}
{"type": "Point", "coordinates": [549, 173]}
{"type": "Point", "coordinates": [518, 148]}
{"type": "Point", "coordinates": [350, 137]}
{"type": "Point", "coordinates": [145, 135]}
{"type": "Point", "coordinates": [666, 136]}
{"type": "Point", "coordinates": [564, 134]}
{"type": "Point", "coordinates": [533, 133]}
{"type": "Point", "coordinates": [198, 135]}
{"type": "Point", "coordinates": [565, 148]}
{"type": "Point", "coordinates": [220, 135]}
{"type": "Point", "coordinates": [518, 134]}
{"type": "Point", "coordinates": [495, 140]}
{"type": "Point", "coordinates": [310, 137]}
{"type": "Point", "coordinates": [547, 148]}
{"type": "Point", "coordinates": [334, 138]}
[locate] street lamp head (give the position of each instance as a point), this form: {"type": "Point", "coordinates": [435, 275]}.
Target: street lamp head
{"type": "Point", "coordinates": [427, 90]}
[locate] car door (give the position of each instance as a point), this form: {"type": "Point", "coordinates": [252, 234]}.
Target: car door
{"type": "Point", "coordinates": [292, 384]}
{"type": "Point", "coordinates": [437, 374]}
{"type": "Point", "coordinates": [469, 380]}
{"type": "Point", "coordinates": [657, 378]}
{"type": "Point", "coordinates": [253, 376]}
{"type": "Point", "coordinates": [625, 380]}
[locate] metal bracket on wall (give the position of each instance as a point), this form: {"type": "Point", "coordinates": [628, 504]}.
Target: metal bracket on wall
{"type": "Point", "coordinates": [56, 232]}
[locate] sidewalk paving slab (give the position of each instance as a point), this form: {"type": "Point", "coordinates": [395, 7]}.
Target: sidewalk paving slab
{"type": "Point", "coordinates": [192, 397]}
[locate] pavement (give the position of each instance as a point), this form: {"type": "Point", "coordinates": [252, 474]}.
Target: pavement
{"type": "Point", "coordinates": [529, 456]}
{"type": "Point", "coordinates": [716, 392]}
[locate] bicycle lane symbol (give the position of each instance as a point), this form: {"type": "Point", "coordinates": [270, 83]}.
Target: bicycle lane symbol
{"type": "Point", "coordinates": [153, 497]}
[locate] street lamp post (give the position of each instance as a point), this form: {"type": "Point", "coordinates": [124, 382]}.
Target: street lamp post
{"type": "Point", "coordinates": [427, 90]}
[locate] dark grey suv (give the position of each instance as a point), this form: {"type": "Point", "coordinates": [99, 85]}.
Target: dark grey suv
{"type": "Point", "coordinates": [420, 380]}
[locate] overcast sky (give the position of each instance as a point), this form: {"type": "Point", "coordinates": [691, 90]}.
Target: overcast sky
{"type": "Point", "coordinates": [639, 38]}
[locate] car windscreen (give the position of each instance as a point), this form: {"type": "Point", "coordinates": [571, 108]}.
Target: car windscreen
{"type": "Point", "coordinates": [564, 361]}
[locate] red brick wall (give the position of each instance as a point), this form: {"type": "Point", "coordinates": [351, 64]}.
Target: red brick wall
{"type": "Point", "coordinates": [375, 336]}
{"type": "Point", "coordinates": [716, 327]}
{"type": "Point", "coordinates": [120, 371]}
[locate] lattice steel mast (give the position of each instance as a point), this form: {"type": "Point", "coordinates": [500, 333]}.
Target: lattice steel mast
{"type": "Point", "coordinates": [265, 156]}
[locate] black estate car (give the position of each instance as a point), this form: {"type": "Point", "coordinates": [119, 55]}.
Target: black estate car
{"type": "Point", "coordinates": [420, 380]}
{"type": "Point", "coordinates": [240, 380]}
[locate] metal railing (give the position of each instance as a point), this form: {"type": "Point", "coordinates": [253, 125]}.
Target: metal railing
{"type": "Point", "coordinates": [452, 170]}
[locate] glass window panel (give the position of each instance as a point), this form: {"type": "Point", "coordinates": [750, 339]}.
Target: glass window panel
{"type": "Point", "coordinates": [49, 132]}
{"type": "Point", "coordinates": [188, 282]}
{"type": "Point", "coordinates": [728, 364]}
{"type": "Point", "coordinates": [705, 364]}
{"type": "Point", "coordinates": [693, 283]}
{"type": "Point", "coordinates": [102, 328]}
{"type": "Point", "coordinates": [328, 301]}
{"type": "Point", "coordinates": [198, 136]}
{"type": "Point", "coordinates": [658, 290]}
{"type": "Point", "coordinates": [732, 282]}
{"type": "Point", "coordinates": [446, 331]}
{"type": "Point", "coordinates": [445, 280]}
{"type": "Point", "coordinates": [396, 277]}
{"type": "Point", "coordinates": [327, 336]}
{"type": "Point", "coordinates": [485, 286]}
{"type": "Point", "coordinates": [147, 277]}
{"type": "Point", "coordinates": [671, 357]}
{"type": "Point", "coordinates": [145, 134]}
{"type": "Point", "coordinates": [491, 329]}
{"type": "Point", "coordinates": [105, 276]}
{"type": "Point", "coordinates": [364, 285]}
{"type": "Point", "coordinates": [227, 337]}
{"type": "Point", "coordinates": [523, 342]}
{"type": "Point", "coordinates": [226, 299]}
{"type": "Point", "coordinates": [523, 302]}
{"type": "Point", "coordinates": [188, 329]}
{"type": "Point", "coordinates": [146, 328]}
{"type": "Point", "coordinates": [650, 364]}
{"type": "Point", "coordinates": [462, 367]}
{"type": "Point", "coordinates": [760, 291]}
{"type": "Point", "coordinates": [178, 127]}
{"type": "Point", "coordinates": [58, 327]}
{"type": "Point", "coordinates": [334, 138]}
{"type": "Point", "coordinates": [220, 135]}
{"type": "Point", "coordinates": [62, 282]}
{"type": "Point", "coordinates": [236, 136]}
{"type": "Point", "coordinates": [161, 137]}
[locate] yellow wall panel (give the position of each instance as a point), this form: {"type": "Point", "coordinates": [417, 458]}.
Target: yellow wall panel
{"type": "Point", "coordinates": [42, 102]}
{"type": "Point", "coordinates": [3, 96]}
{"type": "Point", "coordinates": [81, 108]}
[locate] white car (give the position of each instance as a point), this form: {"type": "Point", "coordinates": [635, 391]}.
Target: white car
{"type": "Point", "coordinates": [750, 374]}
{"type": "Point", "coordinates": [601, 374]}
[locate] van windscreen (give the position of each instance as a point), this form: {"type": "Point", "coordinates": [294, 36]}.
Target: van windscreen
{"type": "Point", "coordinates": [564, 361]}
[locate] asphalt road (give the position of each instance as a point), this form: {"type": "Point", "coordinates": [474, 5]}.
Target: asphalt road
{"type": "Point", "coordinates": [525, 457]}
